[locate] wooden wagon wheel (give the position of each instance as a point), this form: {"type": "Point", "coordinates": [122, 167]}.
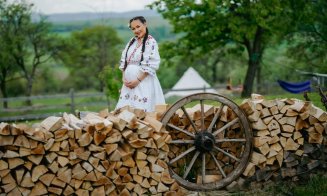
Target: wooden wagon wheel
{"type": "Point", "coordinates": [211, 146]}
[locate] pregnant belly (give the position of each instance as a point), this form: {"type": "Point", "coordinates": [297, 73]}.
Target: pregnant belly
{"type": "Point", "coordinates": [131, 72]}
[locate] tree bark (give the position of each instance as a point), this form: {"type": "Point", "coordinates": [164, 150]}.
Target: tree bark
{"type": "Point", "coordinates": [29, 91]}
{"type": "Point", "coordinates": [255, 51]}
{"type": "Point", "coordinates": [259, 87]}
{"type": "Point", "coordinates": [3, 88]}
{"type": "Point", "coordinates": [214, 70]}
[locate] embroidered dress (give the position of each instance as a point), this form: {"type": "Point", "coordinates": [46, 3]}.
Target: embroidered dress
{"type": "Point", "coordinates": [148, 92]}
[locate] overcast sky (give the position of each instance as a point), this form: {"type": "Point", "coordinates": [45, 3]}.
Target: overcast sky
{"type": "Point", "coordinates": [69, 6]}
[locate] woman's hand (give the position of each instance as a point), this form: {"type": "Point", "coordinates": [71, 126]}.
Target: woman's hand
{"type": "Point", "coordinates": [132, 84]}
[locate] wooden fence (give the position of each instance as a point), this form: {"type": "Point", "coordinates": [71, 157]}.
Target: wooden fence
{"type": "Point", "coordinates": [51, 105]}
{"type": "Point", "coordinates": [73, 102]}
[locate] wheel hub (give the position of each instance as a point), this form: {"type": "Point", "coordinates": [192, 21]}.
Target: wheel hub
{"type": "Point", "coordinates": [204, 141]}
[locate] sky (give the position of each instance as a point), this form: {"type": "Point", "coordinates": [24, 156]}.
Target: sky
{"type": "Point", "coordinates": [73, 6]}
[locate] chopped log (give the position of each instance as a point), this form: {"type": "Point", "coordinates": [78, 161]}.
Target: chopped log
{"type": "Point", "coordinates": [15, 162]}
{"type": "Point", "coordinates": [274, 140]}
{"type": "Point", "coordinates": [291, 145]}
{"type": "Point", "coordinates": [290, 112]}
{"type": "Point", "coordinates": [6, 140]}
{"type": "Point", "coordinates": [265, 112]}
{"type": "Point", "coordinates": [273, 125]}
{"type": "Point", "coordinates": [38, 171]}
{"type": "Point", "coordinates": [138, 143]}
{"type": "Point", "coordinates": [162, 188]}
{"type": "Point", "coordinates": [3, 165]}
{"type": "Point", "coordinates": [129, 118]}
{"type": "Point", "coordinates": [157, 125]}
{"type": "Point", "coordinates": [264, 149]}
{"type": "Point", "coordinates": [117, 122]}
{"type": "Point", "coordinates": [249, 170]}
{"type": "Point", "coordinates": [268, 119]}
{"type": "Point", "coordinates": [207, 179]}
{"type": "Point", "coordinates": [36, 159]}
{"type": "Point", "coordinates": [55, 190]}
{"type": "Point", "coordinates": [9, 187]}
{"type": "Point", "coordinates": [85, 139]}
{"type": "Point", "coordinates": [259, 125]}
{"type": "Point", "coordinates": [288, 172]}
{"type": "Point", "coordinates": [4, 128]}
{"type": "Point", "coordinates": [318, 113]}
{"type": "Point", "coordinates": [47, 178]}
{"type": "Point", "coordinates": [254, 116]}
{"type": "Point", "coordinates": [319, 128]}
{"type": "Point", "coordinates": [299, 106]}
{"type": "Point", "coordinates": [259, 141]}
{"type": "Point", "coordinates": [52, 123]}
{"type": "Point", "coordinates": [275, 132]}
{"type": "Point", "coordinates": [257, 158]}
{"type": "Point", "coordinates": [247, 107]}
{"type": "Point", "coordinates": [262, 133]}
{"type": "Point", "coordinates": [280, 157]}
{"type": "Point", "coordinates": [99, 137]}
{"type": "Point", "coordinates": [39, 189]}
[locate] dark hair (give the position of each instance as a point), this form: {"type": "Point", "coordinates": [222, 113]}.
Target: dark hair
{"type": "Point", "coordinates": [143, 21]}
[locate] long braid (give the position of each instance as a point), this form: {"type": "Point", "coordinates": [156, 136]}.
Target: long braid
{"type": "Point", "coordinates": [144, 41]}
{"type": "Point", "coordinates": [129, 45]}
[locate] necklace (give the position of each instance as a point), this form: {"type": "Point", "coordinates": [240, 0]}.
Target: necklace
{"type": "Point", "coordinates": [133, 53]}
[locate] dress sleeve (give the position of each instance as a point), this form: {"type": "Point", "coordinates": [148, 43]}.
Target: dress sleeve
{"type": "Point", "coordinates": [151, 57]}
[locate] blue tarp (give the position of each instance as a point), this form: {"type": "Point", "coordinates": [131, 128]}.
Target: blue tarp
{"type": "Point", "coordinates": [295, 87]}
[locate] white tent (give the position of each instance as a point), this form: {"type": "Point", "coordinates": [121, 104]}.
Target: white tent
{"type": "Point", "coordinates": [190, 80]}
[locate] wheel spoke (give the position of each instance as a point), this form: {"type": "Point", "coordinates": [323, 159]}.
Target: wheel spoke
{"type": "Point", "coordinates": [203, 167]}
{"type": "Point", "coordinates": [191, 164]}
{"type": "Point", "coordinates": [202, 115]}
{"type": "Point", "coordinates": [182, 155]}
{"type": "Point", "coordinates": [231, 140]}
{"type": "Point", "coordinates": [215, 118]}
{"type": "Point", "coordinates": [181, 130]}
{"type": "Point", "coordinates": [182, 142]}
{"type": "Point", "coordinates": [189, 118]}
{"type": "Point", "coordinates": [231, 123]}
{"type": "Point", "coordinates": [228, 154]}
{"type": "Point", "coordinates": [218, 165]}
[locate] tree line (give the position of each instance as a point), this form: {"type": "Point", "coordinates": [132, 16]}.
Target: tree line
{"type": "Point", "coordinates": [29, 49]}
{"type": "Point", "coordinates": [220, 38]}
{"type": "Point", "coordinates": [246, 30]}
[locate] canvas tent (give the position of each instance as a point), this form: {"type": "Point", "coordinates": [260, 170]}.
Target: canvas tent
{"type": "Point", "coordinates": [191, 82]}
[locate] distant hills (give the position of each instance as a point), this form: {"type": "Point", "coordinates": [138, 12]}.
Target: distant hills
{"type": "Point", "coordinates": [89, 16]}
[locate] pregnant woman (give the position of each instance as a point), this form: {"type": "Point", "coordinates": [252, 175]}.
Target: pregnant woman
{"type": "Point", "coordinates": [139, 62]}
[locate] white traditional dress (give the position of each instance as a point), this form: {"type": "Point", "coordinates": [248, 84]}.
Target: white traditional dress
{"type": "Point", "coordinates": [148, 92]}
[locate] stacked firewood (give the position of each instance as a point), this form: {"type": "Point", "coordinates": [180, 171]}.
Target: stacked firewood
{"type": "Point", "coordinates": [126, 152]}
{"type": "Point", "coordinates": [289, 138]}
{"type": "Point", "coordinates": [122, 153]}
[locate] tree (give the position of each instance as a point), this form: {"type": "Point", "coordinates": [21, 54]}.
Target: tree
{"type": "Point", "coordinates": [6, 67]}
{"type": "Point", "coordinates": [309, 43]}
{"type": "Point", "coordinates": [88, 52]}
{"type": "Point", "coordinates": [27, 44]}
{"type": "Point", "coordinates": [210, 24]}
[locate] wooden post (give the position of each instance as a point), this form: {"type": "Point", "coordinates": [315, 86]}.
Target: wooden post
{"type": "Point", "coordinates": [72, 101]}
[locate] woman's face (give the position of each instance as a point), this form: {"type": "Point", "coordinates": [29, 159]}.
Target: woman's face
{"type": "Point", "coordinates": [138, 28]}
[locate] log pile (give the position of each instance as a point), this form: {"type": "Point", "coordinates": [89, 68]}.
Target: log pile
{"type": "Point", "coordinates": [126, 152]}
{"type": "Point", "coordinates": [122, 153]}
{"type": "Point", "coordinates": [289, 140]}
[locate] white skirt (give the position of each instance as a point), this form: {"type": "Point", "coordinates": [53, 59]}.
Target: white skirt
{"type": "Point", "coordinates": [145, 95]}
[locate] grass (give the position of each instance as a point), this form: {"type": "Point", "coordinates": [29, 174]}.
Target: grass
{"type": "Point", "coordinates": [316, 185]}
